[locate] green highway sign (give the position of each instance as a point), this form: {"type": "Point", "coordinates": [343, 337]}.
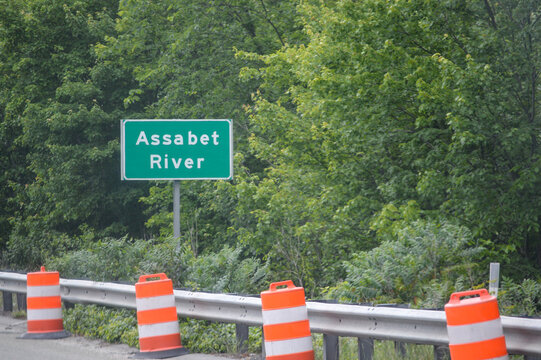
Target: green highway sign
{"type": "Point", "coordinates": [176, 149]}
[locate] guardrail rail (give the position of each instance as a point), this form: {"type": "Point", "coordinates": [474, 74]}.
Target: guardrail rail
{"type": "Point", "coordinates": [367, 323]}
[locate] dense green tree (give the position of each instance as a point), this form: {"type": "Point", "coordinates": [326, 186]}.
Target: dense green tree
{"type": "Point", "coordinates": [12, 153]}
{"type": "Point", "coordinates": [64, 109]}
{"type": "Point", "coordinates": [182, 54]}
{"type": "Point", "coordinates": [354, 121]}
{"type": "Point", "coordinates": [430, 103]}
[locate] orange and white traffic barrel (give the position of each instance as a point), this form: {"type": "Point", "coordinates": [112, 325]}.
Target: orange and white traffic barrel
{"type": "Point", "coordinates": [44, 306]}
{"type": "Point", "coordinates": [474, 327]}
{"type": "Point", "coordinates": [157, 320]}
{"type": "Point", "coordinates": [286, 327]}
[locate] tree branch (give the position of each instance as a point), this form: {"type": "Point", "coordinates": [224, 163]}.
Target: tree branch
{"type": "Point", "coordinates": [491, 14]}
{"type": "Point", "coordinates": [271, 23]}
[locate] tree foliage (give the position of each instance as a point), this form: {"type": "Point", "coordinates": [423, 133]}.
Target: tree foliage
{"type": "Point", "coordinates": [362, 128]}
{"type": "Point", "coordinates": [64, 110]}
{"type": "Point", "coordinates": [394, 102]}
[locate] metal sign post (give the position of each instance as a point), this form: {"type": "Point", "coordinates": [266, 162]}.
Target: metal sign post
{"type": "Point", "coordinates": [176, 209]}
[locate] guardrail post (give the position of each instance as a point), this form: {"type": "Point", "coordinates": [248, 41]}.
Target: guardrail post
{"type": "Point", "coordinates": [21, 301]}
{"type": "Point", "coordinates": [366, 348]}
{"type": "Point", "coordinates": [400, 349]}
{"type": "Point", "coordinates": [242, 338]}
{"type": "Point", "coordinates": [330, 347]}
{"type": "Point", "coordinates": [68, 304]}
{"type": "Point", "coordinates": [7, 299]}
{"type": "Point", "coordinates": [441, 352]}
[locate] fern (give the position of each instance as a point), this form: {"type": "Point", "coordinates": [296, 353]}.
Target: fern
{"type": "Point", "coordinates": [423, 264]}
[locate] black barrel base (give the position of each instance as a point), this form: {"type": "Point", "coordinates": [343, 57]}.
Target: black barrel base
{"type": "Point", "coordinates": [164, 354]}
{"type": "Point", "coordinates": [46, 335]}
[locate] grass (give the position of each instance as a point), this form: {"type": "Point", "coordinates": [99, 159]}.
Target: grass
{"type": "Point", "coordinates": [383, 350]}
{"type": "Point", "coordinates": [19, 314]}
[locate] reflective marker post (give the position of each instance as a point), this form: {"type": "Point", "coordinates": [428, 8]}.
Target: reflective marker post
{"type": "Point", "coordinates": [494, 279]}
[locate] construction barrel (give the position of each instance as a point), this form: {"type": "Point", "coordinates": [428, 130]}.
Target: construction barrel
{"type": "Point", "coordinates": [286, 327]}
{"type": "Point", "coordinates": [157, 320]}
{"type": "Point", "coordinates": [474, 326]}
{"type": "Point", "coordinates": [44, 306]}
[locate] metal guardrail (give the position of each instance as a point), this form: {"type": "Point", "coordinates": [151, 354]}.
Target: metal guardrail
{"type": "Point", "coordinates": [523, 335]}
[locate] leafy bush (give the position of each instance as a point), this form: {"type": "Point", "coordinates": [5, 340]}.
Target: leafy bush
{"type": "Point", "coordinates": [106, 260]}
{"type": "Point", "coordinates": [201, 336]}
{"type": "Point", "coordinates": [425, 263]}
{"type": "Point", "coordinates": [226, 271]}
{"type": "Point", "coordinates": [98, 322]}
{"type": "Point", "coordinates": [121, 259]}
{"type": "Point", "coordinates": [125, 260]}
{"type": "Point", "coordinates": [523, 299]}
{"type": "Point", "coordinates": [120, 326]}
{"type": "Point", "coordinates": [170, 256]}
{"type": "Point", "coordinates": [204, 336]}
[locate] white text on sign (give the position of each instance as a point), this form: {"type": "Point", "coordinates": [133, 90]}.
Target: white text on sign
{"type": "Point", "coordinates": [159, 162]}
{"type": "Point", "coordinates": [176, 139]}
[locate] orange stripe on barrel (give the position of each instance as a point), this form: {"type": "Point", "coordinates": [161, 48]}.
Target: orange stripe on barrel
{"type": "Point", "coordinates": [307, 355]}
{"type": "Point", "coordinates": [44, 325]}
{"type": "Point", "coordinates": [154, 288]}
{"type": "Point", "coordinates": [488, 349]}
{"type": "Point", "coordinates": [163, 342]}
{"type": "Point", "coordinates": [472, 313]}
{"type": "Point", "coordinates": [155, 316]}
{"type": "Point", "coordinates": [287, 331]}
{"type": "Point", "coordinates": [43, 279]}
{"type": "Point", "coordinates": [282, 299]}
{"type": "Point", "coordinates": [49, 302]}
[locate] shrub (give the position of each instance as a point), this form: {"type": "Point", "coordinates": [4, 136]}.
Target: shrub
{"type": "Point", "coordinates": [120, 326]}
{"type": "Point", "coordinates": [106, 260]}
{"type": "Point", "coordinates": [98, 322]}
{"type": "Point", "coordinates": [522, 299]}
{"type": "Point", "coordinates": [125, 260]}
{"type": "Point", "coordinates": [227, 272]}
{"type": "Point", "coordinates": [425, 263]}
